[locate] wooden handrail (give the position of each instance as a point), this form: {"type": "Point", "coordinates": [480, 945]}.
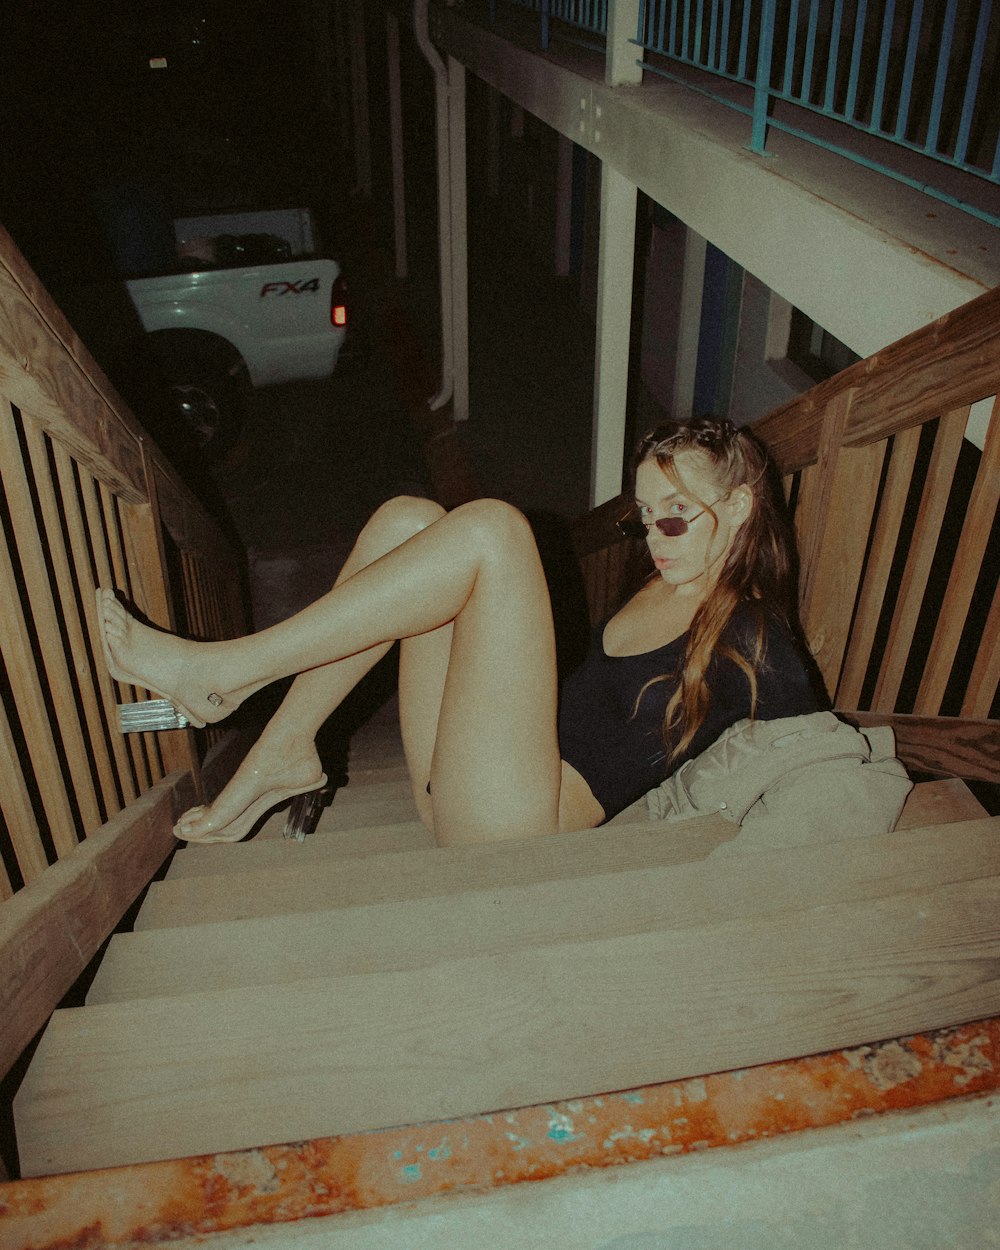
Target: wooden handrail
{"type": "Point", "coordinates": [941, 746]}
{"type": "Point", "coordinates": [953, 361]}
{"type": "Point", "coordinates": [90, 500]}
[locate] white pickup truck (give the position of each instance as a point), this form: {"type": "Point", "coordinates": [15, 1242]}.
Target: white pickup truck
{"type": "Point", "coordinates": [241, 298]}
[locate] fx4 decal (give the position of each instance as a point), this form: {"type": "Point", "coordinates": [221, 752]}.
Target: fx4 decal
{"type": "Point", "coordinates": [286, 288]}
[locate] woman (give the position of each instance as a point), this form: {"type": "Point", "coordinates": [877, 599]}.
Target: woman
{"type": "Point", "coordinates": [704, 643]}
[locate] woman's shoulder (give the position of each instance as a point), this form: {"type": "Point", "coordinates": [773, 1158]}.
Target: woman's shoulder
{"type": "Point", "coordinates": [754, 629]}
{"type": "Point", "coordinates": [751, 614]}
{"type": "Point", "coordinates": [786, 672]}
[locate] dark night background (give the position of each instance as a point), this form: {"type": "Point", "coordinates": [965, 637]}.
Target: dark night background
{"type": "Point", "coordinates": [235, 118]}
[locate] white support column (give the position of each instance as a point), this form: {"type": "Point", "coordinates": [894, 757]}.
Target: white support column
{"type": "Point", "coordinates": [564, 206]}
{"type": "Point", "coordinates": [615, 264]}
{"type": "Point", "coordinates": [614, 326]}
{"type": "Point", "coordinates": [459, 239]}
{"type": "Point", "coordinates": [396, 140]}
{"type": "Point", "coordinates": [359, 94]}
{"type": "Point", "coordinates": [621, 68]}
{"type": "Point", "coordinates": [442, 125]}
{"type": "Point", "coordinates": [692, 287]}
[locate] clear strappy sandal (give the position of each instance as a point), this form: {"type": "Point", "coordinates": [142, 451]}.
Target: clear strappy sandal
{"type": "Point", "coordinates": [304, 813]}
{"type": "Point", "coordinates": [150, 716]}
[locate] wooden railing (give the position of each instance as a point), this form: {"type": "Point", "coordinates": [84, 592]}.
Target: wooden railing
{"type": "Point", "coordinates": [87, 812]}
{"type": "Point", "coordinates": [895, 514]}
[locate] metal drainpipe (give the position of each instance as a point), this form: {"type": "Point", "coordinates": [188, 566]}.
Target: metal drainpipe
{"type": "Point", "coordinates": [440, 72]}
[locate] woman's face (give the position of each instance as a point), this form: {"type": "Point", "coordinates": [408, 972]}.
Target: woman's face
{"type": "Point", "coordinates": [689, 561]}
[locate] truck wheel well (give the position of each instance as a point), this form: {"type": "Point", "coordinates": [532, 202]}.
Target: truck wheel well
{"type": "Point", "coordinates": [171, 346]}
{"type": "Point", "coordinates": [203, 387]}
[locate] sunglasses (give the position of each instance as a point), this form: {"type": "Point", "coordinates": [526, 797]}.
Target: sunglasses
{"type": "Point", "coordinates": [633, 526]}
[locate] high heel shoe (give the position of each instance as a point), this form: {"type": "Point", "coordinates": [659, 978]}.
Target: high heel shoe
{"type": "Point", "coordinates": [240, 826]}
{"type": "Point", "coordinates": [304, 813]}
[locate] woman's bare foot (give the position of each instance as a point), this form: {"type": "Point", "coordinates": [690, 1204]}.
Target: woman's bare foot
{"type": "Point", "coordinates": [255, 788]}
{"type": "Point", "coordinates": [171, 667]}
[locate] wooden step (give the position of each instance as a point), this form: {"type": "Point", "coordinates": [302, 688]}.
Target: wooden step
{"type": "Point", "coordinates": [379, 802]}
{"type": "Point", "coordinates": [942, 802]}
{"type": "Point", "coordinates": [309, 880]}
{"type": "Point", "coordinates": [232, 949]}
{"type": "Point", "coordinates": [378, 755]}
{"type": "Point", "coordinates": [358, 775]}
{"type": "Point", "coordinates": [381, 791]}
{"type": "Point", "coordinates": [930, 802]}
{"type": "Point", "coordinates": [196, 861]}
{"type": "Point", "coordinates": [408, 934]}
{"type": "Point", "coordinates": [375, 738]}
{"type": "Point", "coordinates": [397, 807]}
{"type": "Point", "coordinates": [207, 1072]}
{"type": "Point", "coordinates": [390, 811]}
{"type": "Point", "coordinates": [329, 838]}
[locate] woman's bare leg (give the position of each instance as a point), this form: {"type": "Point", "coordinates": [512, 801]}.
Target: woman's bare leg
{"type": "Point", "coordinates": [472, 556]}
{"type": "Point", "coordinates": [494, 767]}
{"type": "Point", "coordinates": [284, 760]}
{"type": "Point", "coordinates": [423, 669]}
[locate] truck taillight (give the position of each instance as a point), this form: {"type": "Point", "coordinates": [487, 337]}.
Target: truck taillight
{"type": "Point", "coordinates": [338, 302]}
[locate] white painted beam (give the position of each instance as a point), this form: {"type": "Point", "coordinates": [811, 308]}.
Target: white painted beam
{"type": "Point", "coordinates": [614, 329]}
{"type": "Point", "coordinates": [863, 256]}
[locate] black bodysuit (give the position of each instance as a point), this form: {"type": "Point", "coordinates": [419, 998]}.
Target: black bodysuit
{"type": "Point", "coordinates": [622, 756]}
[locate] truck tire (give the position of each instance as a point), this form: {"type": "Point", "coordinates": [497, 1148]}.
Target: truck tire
{"type": "Point", "coordinates": [205, 387]}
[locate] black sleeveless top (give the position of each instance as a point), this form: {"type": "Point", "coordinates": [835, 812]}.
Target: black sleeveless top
{"type": "Point", "coordinates": [622, 756]}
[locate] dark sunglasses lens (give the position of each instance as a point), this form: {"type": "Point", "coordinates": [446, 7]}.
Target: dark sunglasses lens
{"type": "Point", "coordinates": [672, 526]}
{"type": "Point", "coordinates": [631, 527]}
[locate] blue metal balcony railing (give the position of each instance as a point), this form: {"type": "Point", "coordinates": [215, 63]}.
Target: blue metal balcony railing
{"type": "Point", "coordinates": [922, 74]}
{"type": "Point", "coordinates": [586, 15]}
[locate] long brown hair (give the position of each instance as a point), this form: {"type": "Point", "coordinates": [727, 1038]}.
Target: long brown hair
{"type": "Point", "coordinates": [758, 571]}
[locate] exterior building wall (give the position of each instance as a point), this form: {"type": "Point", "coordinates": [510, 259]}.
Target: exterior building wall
{"type": "Point", "coordinates": [762, 379]}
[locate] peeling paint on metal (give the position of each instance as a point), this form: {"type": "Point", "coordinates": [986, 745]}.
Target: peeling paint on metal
{"type": "Point", "coordinates": [443, 1151]}
{"type": "Point", "coordinates": [888, 1065]}
{"type": "Point", "coordinates": [627, 1132]}
{"type": "Point", "coordinates": [157, 1203]}
{"type": "Point", "coordinates": [561, 1127]}
{"type": "Point", "coordinates": [248, 1169]}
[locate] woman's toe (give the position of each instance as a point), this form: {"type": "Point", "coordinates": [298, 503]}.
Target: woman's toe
{"type": "Point", "coordinates": [190, 818]}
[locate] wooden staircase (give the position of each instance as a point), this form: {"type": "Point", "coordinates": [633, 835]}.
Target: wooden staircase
{"type": "Point", "coordinates": [276, 990]}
